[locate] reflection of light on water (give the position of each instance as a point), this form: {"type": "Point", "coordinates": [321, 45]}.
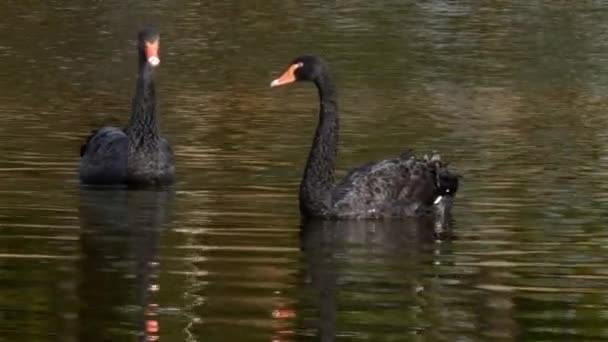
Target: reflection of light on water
{"type": "Point", "coordinates": [283, 314]}
{"type": "Point", "coordinates": [195, 286]}
{"type": "Point", "coordinates": [152, 326]}
{"type": "Point", "coordinates": [152, 330]}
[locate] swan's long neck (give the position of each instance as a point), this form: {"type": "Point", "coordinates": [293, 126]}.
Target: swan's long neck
{"type": "Point", "coordinates": [143, 126]}
{"type": "Point", "coordinates": [318, 179]}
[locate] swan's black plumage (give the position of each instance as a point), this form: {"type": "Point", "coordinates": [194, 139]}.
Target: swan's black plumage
{"type": "Point", "coordinates": [402, 187]}
{"type": "Point", "coordinates": [137, 154]}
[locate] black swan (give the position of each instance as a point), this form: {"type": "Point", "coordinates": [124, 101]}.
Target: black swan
{"type": "Point", "coordinates": [393, 188]}
{"type": "Point", "coordinates": [137, 154]}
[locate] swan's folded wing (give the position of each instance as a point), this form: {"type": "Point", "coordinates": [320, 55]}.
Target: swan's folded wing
{"type": "Point", "coordinates": [393, 187]}
{"type": "Point", "coordinates": [368, 190]}
{"type": "Point", "coordinates": [104, 141]}
{"type": "Point", "coordinates": [104, 156]}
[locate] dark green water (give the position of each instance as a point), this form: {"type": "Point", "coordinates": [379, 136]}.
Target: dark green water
{"type": "Point", "coordinates": [513, 93]}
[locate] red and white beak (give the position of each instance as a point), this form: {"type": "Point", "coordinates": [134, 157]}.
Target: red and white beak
{"type": "Point", "coordinates": [152, 53]}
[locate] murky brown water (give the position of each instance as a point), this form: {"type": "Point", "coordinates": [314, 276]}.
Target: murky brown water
{"type": "Point", "coordinates": [512, 92]}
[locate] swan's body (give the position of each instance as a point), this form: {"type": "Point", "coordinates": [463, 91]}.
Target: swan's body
{"type": "Point", "coordinates": [400, 187]}
{"type": "Point", "coordinates": [137, 154]}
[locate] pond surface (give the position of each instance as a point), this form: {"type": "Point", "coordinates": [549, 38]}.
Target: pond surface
{"type": "Point", "coordinates": [513, 93]}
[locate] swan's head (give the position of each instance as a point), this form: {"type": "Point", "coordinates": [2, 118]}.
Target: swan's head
{"type": "Point", "coordinates": [148, 45]}
{"type": "Point", "coordinates": [303, 68]}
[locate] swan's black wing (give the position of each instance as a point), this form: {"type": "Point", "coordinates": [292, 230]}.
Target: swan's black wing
{"type": "Point", "coordinates": [104, 157]}
{"type": "Point", "coordinates": [398, 187]}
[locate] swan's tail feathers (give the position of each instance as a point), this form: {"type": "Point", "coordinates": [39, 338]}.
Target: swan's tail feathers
{"type": "Point", "coordinates": [407, 154]}
{"type": "Point", "coordinates": [435, 157]}
{"type": "Point", "coordinates": [445, 180]}
{"type": "Point", "coordinates": [429, 159]}
{"type": "Point", "coordinates": [446, 183]}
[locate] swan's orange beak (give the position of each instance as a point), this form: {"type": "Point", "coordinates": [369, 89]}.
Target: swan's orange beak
{"type": "Point", "coordinates": [288, 76]}
{"type": "Point", "coordinates": [152, 53]}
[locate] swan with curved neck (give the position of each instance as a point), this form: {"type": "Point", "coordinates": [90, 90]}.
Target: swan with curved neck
{"type": "Point", "coordinates": [399, 187]}
{"type": "Point", "coordinates": [137, 154]}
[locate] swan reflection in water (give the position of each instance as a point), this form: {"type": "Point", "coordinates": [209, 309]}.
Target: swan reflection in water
{"type": "Point", "coordinates": [120, 233]}
{"type": "Point", "coordinates": [362, 273]}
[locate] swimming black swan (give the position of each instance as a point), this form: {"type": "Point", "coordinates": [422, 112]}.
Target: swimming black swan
{"type": "Point", "coordinates": [137, 154]}
{"type": "Point", "coordinates": [400, 187]}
